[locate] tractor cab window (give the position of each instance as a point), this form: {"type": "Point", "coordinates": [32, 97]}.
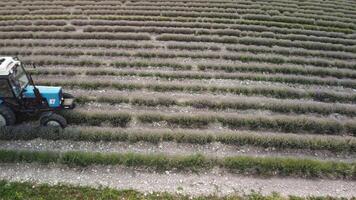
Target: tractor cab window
{"type": "Point", "coordinates": [18, 79]}
{"type": "Point", "coordinates": [5, 90]}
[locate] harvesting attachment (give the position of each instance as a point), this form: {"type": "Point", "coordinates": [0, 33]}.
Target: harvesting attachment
{"type": "Point", "coordinates": [20, 97]}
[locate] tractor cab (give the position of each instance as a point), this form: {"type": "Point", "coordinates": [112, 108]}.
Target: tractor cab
{"type": "Point", "coordinates": [20, 96]}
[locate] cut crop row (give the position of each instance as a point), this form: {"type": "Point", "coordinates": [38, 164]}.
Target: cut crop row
{"type": "Point", "coordinates": [246, 57]}
{"type": "Point", "coordinates": [250, 14]}
{"type": "Point", "coordinates": [192, 47]}
{"type": "Point", "coordinates": [36, 28]}
{"type": "Point", "coordinates": [257, 41]}
{"type": "Point", "coordinates": [287, 51]}
{"type": "Point", "coordinates": [239, 164]}
{"type": "Point", "coordinates": [117, 64]}
{"type": "Point", "coordinates": [196, 75]}
{"type": "Point", "coordinates": [278, 106]}
{"type": "Point", "coordinates": [41, 17]}
{"type": "Point", "coordinates": [240, 138]}
{"type": "Point", "coordinates": [220, 32]}
{"type": "Point", "coordinates": [139, 17]}
{"type": "Point", "coordinates": [257, 9]}
{"type": "Point", "coordinates": [282, 123]}
{"type": "Point", "coordinates": [282, 93]}
{"type": "Point", "coordinates": [296, 70]}
{"type": "Point", "coordinates": [77, 44]}
{"type": "Point", "coordinates": [298, 20]}
{"type": "Point", "coordinates": [245, 13]}
{"type": "Point", "coordinates": [36, 12]}
{"type": "Point", "coordinates": [242, 27]}
{"type": "Point", "coordinates": [229, 68]}
{"type": "Point", "coordinates": [62, 36]}
{"type": "Point", "coordinates": [70, 3]}
{"type": "Point", "coordinates": [179, 19]}
{"type": "Point", "coordinates": [34, 23]}
{"type": "Point", "coordinates": [268, 6]}
{"type": "Point", "coordinates": [112, 10]}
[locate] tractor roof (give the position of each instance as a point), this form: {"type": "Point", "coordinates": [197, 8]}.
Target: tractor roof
{"type": "Point", "coordinates": [6, 64]}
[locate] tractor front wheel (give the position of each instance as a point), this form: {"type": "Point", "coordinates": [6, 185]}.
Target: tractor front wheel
{"type": "Point", "coordinates": [7, 116]}
{"type": "Point", "coordinates": [53, 120]}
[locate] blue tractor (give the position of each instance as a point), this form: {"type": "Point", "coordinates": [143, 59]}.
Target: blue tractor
{"type": "Point", "coordinates": [21, 98]}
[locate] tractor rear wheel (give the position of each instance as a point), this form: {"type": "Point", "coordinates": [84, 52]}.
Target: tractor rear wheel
{"type": "Point", "coordinates": [53, 120]}
{"type": "Point", "coordinates": [7, 116]}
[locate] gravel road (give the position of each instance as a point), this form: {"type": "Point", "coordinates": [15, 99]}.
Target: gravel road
{"type": "Point", "coordinates": [214, 182]}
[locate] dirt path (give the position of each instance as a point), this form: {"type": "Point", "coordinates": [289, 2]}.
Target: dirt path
{"type": "Point", "coordinates": [171, 148]}
{"type": "Point", "coordinates": [214, 182]}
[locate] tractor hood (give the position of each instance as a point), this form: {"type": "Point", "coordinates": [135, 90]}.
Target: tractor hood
{"type": "Point", "coordinates": [53, 95]}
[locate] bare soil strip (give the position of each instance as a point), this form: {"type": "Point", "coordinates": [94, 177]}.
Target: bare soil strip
{"type": "Point", "coordinates": [213, 182]}
{"type": "Point", "coordinates": [171, 148]}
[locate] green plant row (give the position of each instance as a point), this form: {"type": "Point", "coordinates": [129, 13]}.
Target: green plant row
{"type": "Point", "coordinates": [281, 93]}
{"type": "Point", "coordinates": [32, 191]}
{"type": "Point", "coordinates": [239, 164]}
{"type": "Point", "coordinates": [196, 75]}
{"type": "Point", "coordinates": [244, 104]}
{"type": "Point", "coordinates": [97, 118]}
{"type": "Point", "coordinates": [239, 138]}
